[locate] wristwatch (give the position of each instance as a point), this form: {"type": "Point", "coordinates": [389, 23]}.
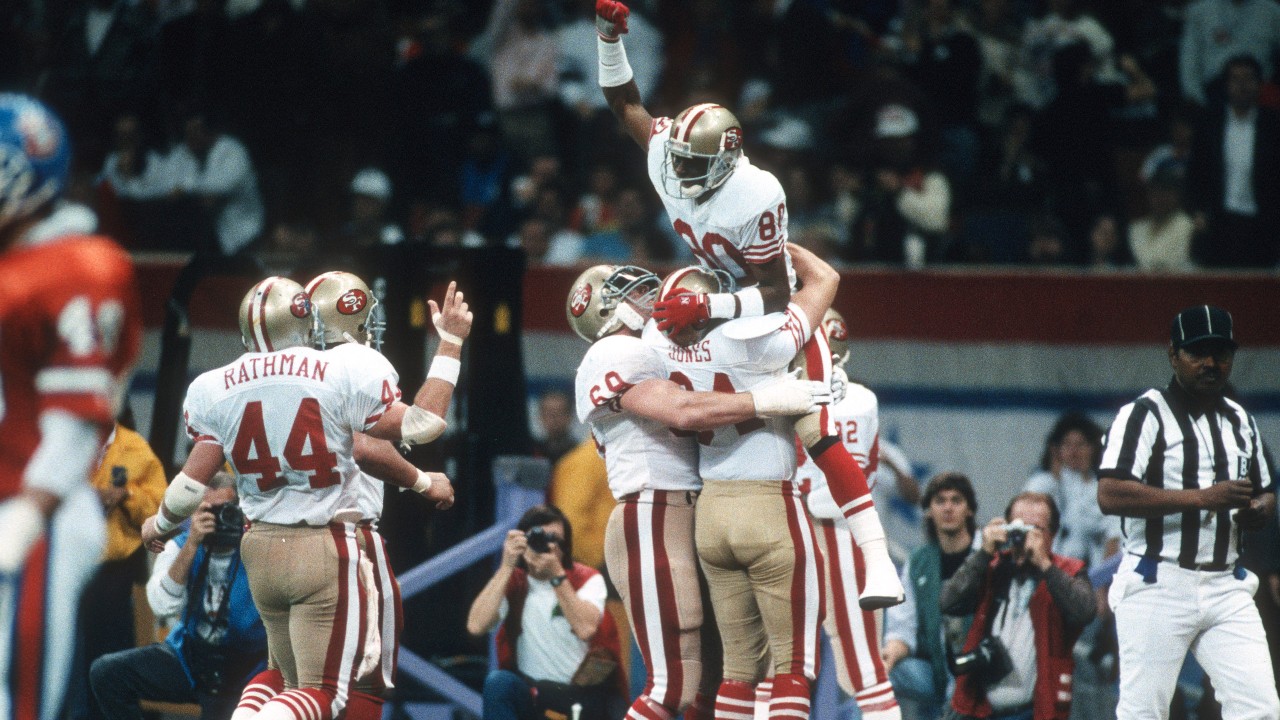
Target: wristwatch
{"type": "Point", "coordinates": [557, 581]}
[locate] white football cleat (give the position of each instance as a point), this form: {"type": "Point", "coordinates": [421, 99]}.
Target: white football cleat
{"type": "Point", "coordinates": [883, 588]}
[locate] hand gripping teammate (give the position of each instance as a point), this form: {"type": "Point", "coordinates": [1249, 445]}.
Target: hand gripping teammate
{"type": "Point", "coordinates": [644, 426]}
{"type": "Point", "coordinates": [733, 216]}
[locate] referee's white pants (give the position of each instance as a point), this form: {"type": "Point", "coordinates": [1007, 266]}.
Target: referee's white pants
{"type": "Point", "coordinates": [1209, 613]}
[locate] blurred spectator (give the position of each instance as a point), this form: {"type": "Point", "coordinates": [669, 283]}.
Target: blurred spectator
{"type": "Point", "coordinates": [580, 487]}
{"type": "Point", "coordinates": [130, 482]}
{"type": "Point", "coordinates": [134, 170]}
{"type": "Point", "coordinates": [917, 638]}
{"type": "Point", "coordinates": [1000, 40]}
{"type": "Point", "coordinates": [897, 494]}
{"type": "Point", "coordinates": [1075, 137]}
{"type": "Point", "coordinates": [596, 210]}
{"type": "Point", "coordinates": [944, 60]}
{"type": "Point", "coordinates": [564, 246]}
{"type": "Point", "coordinates": [1175, 153]}
{"type": "Point", "coordinates": [218, 642]}
{"type": "Point", "coordinates": [439, 225]}
{"type": "Point", "coordinates": [593, 135]}
{"type": "Point", "coordinates": [1161, 241]}
{"type": "Point", "coordinates": [368, 224]}
{"type": "Point", "coordinates": [291, 248]}
{"type": "Point", "coordinates": [637, 239]}
{"type": "Point", "coordinates": [1213, 32]}
{"type": "Point", "coordinates": [555, 419]}
{"type": "Point", "coordinates": [102, 64]}
{"type": "Point", "coordinates": [1232, 185]}
{"type": "Point", "coordinates": [1029, 607]}
{"type": "Point", "coordinates": [556, 645]}
{"type": "Point", "coordinates": [795, 48]}
{"type": "Point", "coordinates": [543, 170]}
{"type": "Point", "coordinates": [484, 176]}
{"type": "Point", "coordinates": [214, 170]}
{"type": "Point", "coordinates": [1107, 251]}
{"type": "Point", "coordinates": [906, 208]}
{"type": "Point", "coordinates": [1068, 474]}
{"type": "Point", "coordinates": [438, 98]}
{"type": "Point", "coordinates": [1048, 241]}
{"type": "Point", "coordinates": [541, 247]}
{"type": "Point", "coordinates": [522, 56]}
{"type": "Point", "coordinates": [705, 55]}
{"type": "Point", "coordinates": [1066, 23]}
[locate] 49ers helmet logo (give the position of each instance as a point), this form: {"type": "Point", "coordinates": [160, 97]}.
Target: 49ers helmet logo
{"type": "Point", "coordinates": [301, 306]}
{"type": "Point", "coordinates": [581, 299]}
{"type": "Point", "coordinates": [352, 301]}
{"type": "Point", "coordinates": [733, 138]}
{"type": "Point", "coordinates": [837, 330]}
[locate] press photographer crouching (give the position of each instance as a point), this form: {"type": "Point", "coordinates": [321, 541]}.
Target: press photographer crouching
{"type": "Point", "coordinates": [218, 642]}
{"type": "Point", "coordinates": [1029, 608]}
{"type": "Point", "coordinates": [556, 647]}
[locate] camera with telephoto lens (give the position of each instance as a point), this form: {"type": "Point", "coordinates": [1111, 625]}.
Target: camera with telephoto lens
{"type": "Point", "coordinates": [539, 539]}
{"type": "Point", "coordinates": [1016, 534]}
{"type": "Point", "coordinates": [228, 526]}
{"type": "Point", "coordinates": [988, 662]}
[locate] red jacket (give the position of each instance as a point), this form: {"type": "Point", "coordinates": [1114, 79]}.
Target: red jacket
{"type": "Point", "coordinates": [1051, 699]}
{"type": "Point", "coordinates": [606, 636]}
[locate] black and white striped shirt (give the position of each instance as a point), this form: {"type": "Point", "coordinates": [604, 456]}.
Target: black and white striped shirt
{"type": "Point", "coordinates": [1160, 440]}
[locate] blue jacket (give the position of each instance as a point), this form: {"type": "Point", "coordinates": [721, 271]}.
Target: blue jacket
{"type": "Point", "coordinates": [245, 632]}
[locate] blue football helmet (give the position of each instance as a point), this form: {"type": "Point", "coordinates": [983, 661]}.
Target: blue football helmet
{"type": "Point", "coordinates": [35, 156]}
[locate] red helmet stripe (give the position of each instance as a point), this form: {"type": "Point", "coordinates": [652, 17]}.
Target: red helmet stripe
{"type": "Point", "coordinates": [317, 280]}
{"type": "Point", "coordinates": [264, 339]}
{"type": "Point", "coordinates": [691, 119]}
{"type": "Point", "coordinates": [673, 281]}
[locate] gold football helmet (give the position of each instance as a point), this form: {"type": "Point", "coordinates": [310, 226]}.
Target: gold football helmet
{"type": "Point", "coordinates": [604, 298]}
{"type": "Point", "coordinates": [345, 310]}
{"type": "Point", "coordinates": [275, 314]}
{"type": "Point", "coordinates": [695, 280]}
{"type": "Point", "coordinates": [706, 139]}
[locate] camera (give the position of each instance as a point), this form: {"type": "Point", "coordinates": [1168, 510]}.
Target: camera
{"type": "Point", "coordinates": [228, 526]}
{"type": "Point", "coordinates": [539, 540]}
{"type": "Point", "coordinates": [1016, 534]}
{"type": "Point", "coordinates": [988, 662]}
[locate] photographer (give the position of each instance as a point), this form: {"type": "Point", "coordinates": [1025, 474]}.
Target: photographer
{"type": "Point", "coordinates": [218, 642]}
{"type": "Point", "coordinates": [1029, 607]}
{"type": "Point", "coordinates": [556, 646]}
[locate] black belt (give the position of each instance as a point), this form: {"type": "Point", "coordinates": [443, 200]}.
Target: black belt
{"type": "Point", "coordinates": [1205, 567]}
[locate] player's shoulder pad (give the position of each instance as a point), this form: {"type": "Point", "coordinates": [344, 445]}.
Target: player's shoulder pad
{"type": "Point", "coordinates": [750, 328]}
{"type": "Point", "coordinates": [622, 353]}
{"type": "Point", "coordinates": [749, 192]}
{"type": "Point", "coordinates": [860, 397]}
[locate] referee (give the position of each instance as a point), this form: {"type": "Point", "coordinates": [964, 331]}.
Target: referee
{"type": "Point", "coordinates": [1185, 466]}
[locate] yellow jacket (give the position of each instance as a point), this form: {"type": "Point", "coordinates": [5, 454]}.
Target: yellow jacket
{"type": "Point", "coordinates": [580, 487]}
{"type": "Point", "coordinates": [145, 483]}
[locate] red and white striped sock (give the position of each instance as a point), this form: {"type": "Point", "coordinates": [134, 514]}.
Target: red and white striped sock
{"type": "Point", "coordinates": [764, 692]}
{"type": "Point", "coordinates": [735, 700]}
{"type": "Point", "coordinates": [264, 686]}
{"type": "Point", "coordinates": [299, 704]}
{"type": "Point", "coordinates": [703, 707]}
{"type": "Point", "coordinates": [878, 703]}
{"type": "Point", "coordinates": [645, 708]}
{"type": "Point", "coordinates": [790, 697]}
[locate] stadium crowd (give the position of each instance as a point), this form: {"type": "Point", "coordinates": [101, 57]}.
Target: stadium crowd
{"type": "Point", "coordinates": [1058, 132]}
{"type": "Point", "coordinates": [1116, 135]}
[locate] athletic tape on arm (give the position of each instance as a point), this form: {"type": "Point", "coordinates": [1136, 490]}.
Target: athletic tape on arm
{"type": "Point", "coordinates": [421, 426]}
{"type": "Point", "coordinates": [183, 495]}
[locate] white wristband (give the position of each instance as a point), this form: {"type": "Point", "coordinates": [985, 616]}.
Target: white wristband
{"type": "Point", "coordinates": [752, 302]}
{"type": "Point", "coordinates": [722, 305]}
{"type": "Point", "coordinates": [163, 525]}
{"type": "Point", "coordinates": [614, 68]}
{"type": "Point", "coordinates": [445, 368]}
{"type": "Point", "coordinates": [424, 483]}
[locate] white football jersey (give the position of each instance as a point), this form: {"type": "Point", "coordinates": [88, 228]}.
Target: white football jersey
{"type": "Point", "coordinates": [639, 453]}
{"type": "Point", "coordinates": [744, 222]}
{"type": "Point", "coordinates": [755, 449]}
{"type": "Point", "coordinates": [285, 420]}
{"type": "Point", "coordinates": [369, 493]}
{"type": "Point", "coordinates": [857, 423]}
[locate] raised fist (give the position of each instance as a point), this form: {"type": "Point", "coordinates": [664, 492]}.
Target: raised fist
{"type": "Point", "coordinates": [682, 311]}
{"type": "Point", "coordinates": [611, 19]}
